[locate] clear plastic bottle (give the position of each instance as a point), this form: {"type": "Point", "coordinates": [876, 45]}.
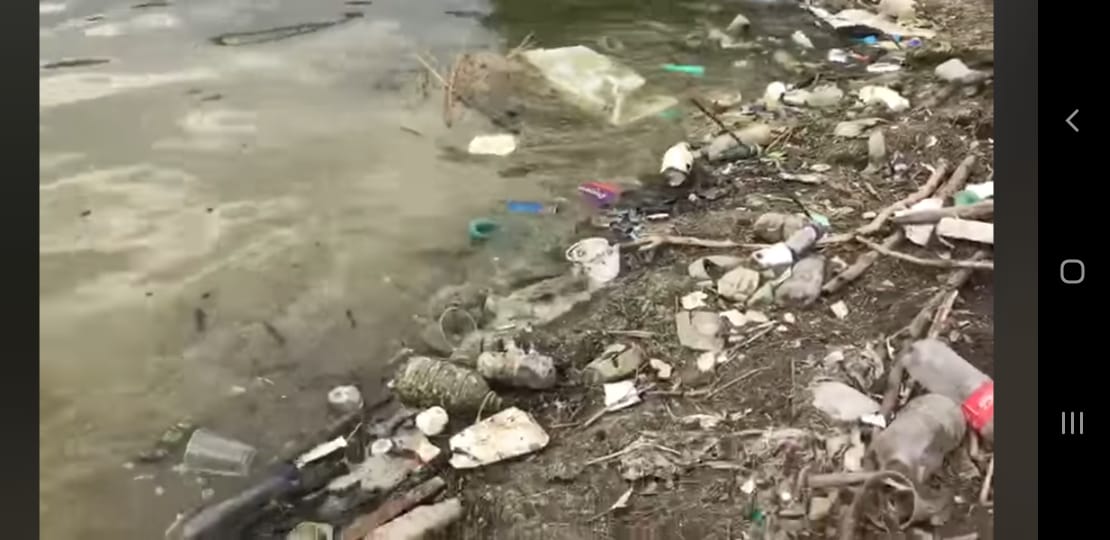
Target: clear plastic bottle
{"type": "Point", "coordinates": [924, 431]}
{"type": "Point", "coordinates": [941, 370]}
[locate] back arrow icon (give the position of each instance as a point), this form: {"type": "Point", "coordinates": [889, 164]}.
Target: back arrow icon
{"type": "Point", "coordinates": [1070, 122]}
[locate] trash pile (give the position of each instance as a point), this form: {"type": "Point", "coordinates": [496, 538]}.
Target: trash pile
{"type": "Point", "coordinates": [497, 376]}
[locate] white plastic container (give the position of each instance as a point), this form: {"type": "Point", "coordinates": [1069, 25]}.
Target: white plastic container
{"type": "Point", "coordinates": [599, 261]}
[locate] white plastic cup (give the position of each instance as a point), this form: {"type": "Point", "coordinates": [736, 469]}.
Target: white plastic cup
{"type": "Point", "coordinates": [600, 261]}
{"type": "Point", "coordinates": [208, 452]}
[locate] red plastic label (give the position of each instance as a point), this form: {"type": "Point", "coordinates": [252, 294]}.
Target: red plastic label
{"type": "Point", "coordinates": [601, 193]}
{"type": "Point", "coordinates": [979, 406]}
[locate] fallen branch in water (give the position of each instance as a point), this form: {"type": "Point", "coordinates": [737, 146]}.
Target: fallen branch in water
{"type": "Point", "coordinates": [655, 241]}
{"type": "Point", "coordinates": [978, 210]}
{"type": "Point", "coordinates": [936, 263]}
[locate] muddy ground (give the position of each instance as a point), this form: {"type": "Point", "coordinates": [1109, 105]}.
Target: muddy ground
{"type": "Point", "coordinates": [559, 494]}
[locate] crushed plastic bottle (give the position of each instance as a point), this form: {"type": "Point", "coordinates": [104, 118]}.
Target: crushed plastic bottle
{"type": "Point", "coordinates": [941, 370]}
{"type": "Point", "coordinates": [427, 382]}
{"type": "Point", "coordinates": [915, 443]}
{"type": "Point", "coordinates": [790, 250]}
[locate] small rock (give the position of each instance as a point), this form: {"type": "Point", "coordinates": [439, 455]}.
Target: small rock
{"type": "Point", "coordinates": [820, 167]}
{"type": "Point", "coordinates": [738, 284]}
{"type": "Point", "coordinates": [819, 508]}
{"type": "Point", "coordinates": [869, 215]}
{"type": "Point", "coordinates": [768, 226]}
{"type": "Point", "coordinates": [824, 96]}
{"type": "Point", "coordinates": [840, 309]}
{"type": "Point", "coordinates": [432, 421]}
{"type": "Point", "coordinates": [618, 361]}
{"type": "Point", "coordinates": [803, 287]}
{"type": "Point", "coordinates": [789, 318]}
{"type": "Point", "coordinates": [757, 317]}
{"type": "Point", "coordinates": [841, 402]}
{"type": "Point", "coordinates": [662, 369]}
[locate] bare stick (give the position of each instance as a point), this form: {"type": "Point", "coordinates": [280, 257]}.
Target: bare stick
{"type": "Point", "coordinates": [936, 263]}
{"type": "Point", "coordinates": [655, 241]}
{"type": "Point", "coordinates": [917, 326]}
{"type": "Point", "coordinates": [958, 179]}
{"type": "Point", "coordinates": [392, 508]}
{"type": "Point", "coordinates": [985, 491]}
{"type": "Point", "coordinates": [893, 385]}
{"type": "Point", "coordinates": [725, 386]}
{"type": "Point", "coordinates": [942, 313]}
{"type": "Point", "coordinates": [980, 209]}
{"type": "Point", "coordinates": [642, 334]}
{"type": "Point", "coordinates": [449, 92]}
{"type": "Point", "coordinates": [860, 266]}
{"type": "Point", "coordinates": [830, 480]}
{"type": "Point", "coordinates": [716, 120]}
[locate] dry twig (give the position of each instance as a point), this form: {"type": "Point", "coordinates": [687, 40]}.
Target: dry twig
{"type": "Point", "coordinates": [860, 266]}
{"type": "Point", "coordinates": [980, 209]}
{"type": "Point", "coordinates": [985, 491]}
{"type": "Point", "coordinates": [655, 241]}
{"type": "Point", "coordinates": [921, 194]}
{"type": "Point", "coordinates": [936, 263]}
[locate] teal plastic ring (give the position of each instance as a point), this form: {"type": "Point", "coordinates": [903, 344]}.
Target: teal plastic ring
{"type": "Point", "coordinates": [482, 228]}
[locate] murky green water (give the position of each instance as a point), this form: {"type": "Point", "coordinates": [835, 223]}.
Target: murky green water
{"type": "Point", "coordinates": [194, 198]}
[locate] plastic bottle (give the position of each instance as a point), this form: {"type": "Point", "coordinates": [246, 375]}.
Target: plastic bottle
{"type": "Point", "coordinates": [940, 370]}
{"type": "Point", "coordinates": [791, 249]}
{"type": "Point", "coordinates": [924, 431]}
{"type": "Point", "coordinates": [426, 382]}
{"type": "Point", "coordinates": [678, 161]}
{"type": "Point", "coordinates": [216, 521]}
